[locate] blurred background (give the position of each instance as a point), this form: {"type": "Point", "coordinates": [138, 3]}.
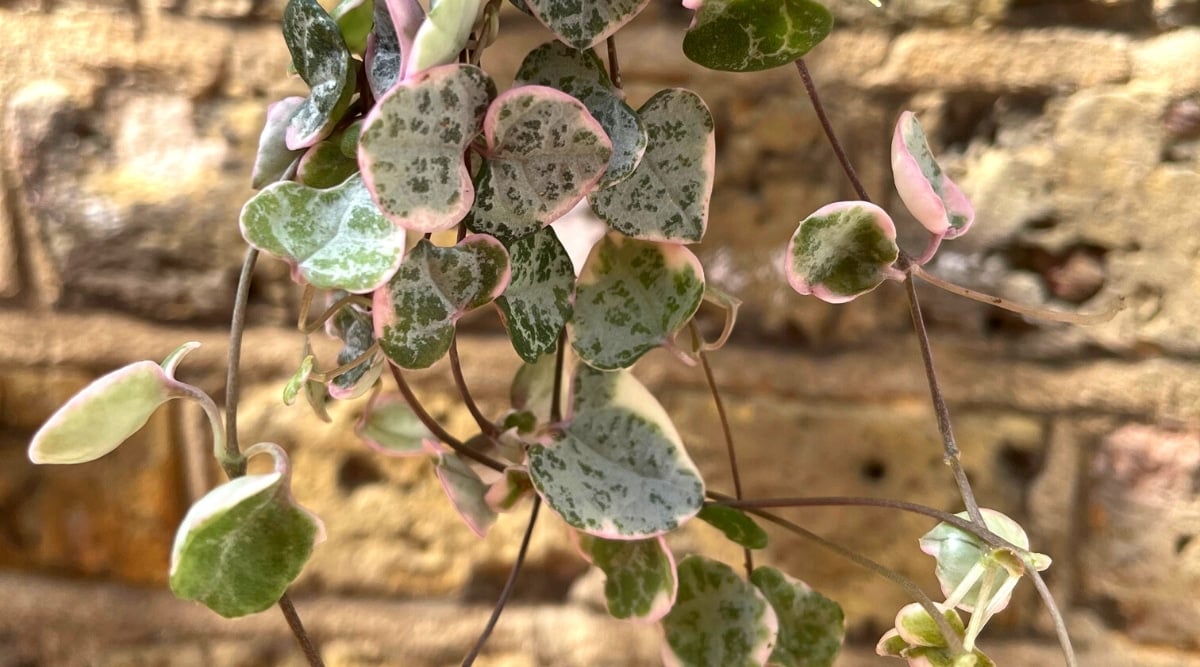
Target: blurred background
{"type": "Point", "coordinates": [128, 129]}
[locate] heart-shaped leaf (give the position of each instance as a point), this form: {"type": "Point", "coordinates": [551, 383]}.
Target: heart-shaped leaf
{"type": "Point", "coordinates": [633, 296]}
{"type": "Point", "coordinates": [325, 166]}
{"type": "Point", "coordinates": [354, 19]}
{"type": "Point", "coordinates": [928, 193]}
{"type": "Point", "coordinates": [389, 426]}
{"type": "Point", "coordinates": [619, 471]}
{"type": "Point", "coordinates": [545, 152]}
{"type": "Point", "coordinates": [442, 35]}
{"type": "Point", "coordinates": [109, 410]}
{"type": "Point", "coordinates": [336, 238]}
{"type": "Point", "coordinates": [274, 158]}
{"type": "Point", "coordinates": [811, 626]}
{"type": "Point", "coordinates": [466, 492]}
{"type": "Point", "coordinates": [242, 544]}
{"type": "Point", "coordinates": [412, 143]}
{"type": "Point", "coordinates": [753, 35]}
{"type": "Point", "coordinates": [739, 528]}
{"type": "Point", "coordinates": [718, 619]}
{"type": "Point", "coordinates": [356, 329]}
{"type": "Point", "coordinates": [585, 23]}
{"type": "Point", "coordinates": [537, 303]}
{"type": "Point", "coordinates": [323, 61]}
{"type": "Point", "coordinates": [639, 575]}
{"type": "Point", "coordinates": [841, 251]}
{"type": "Point", "coordinates": [666, 198]}
{"type": "Point", "coordinates": [581, 75]}
{"type": "Point", "coordinates": [415, 312]}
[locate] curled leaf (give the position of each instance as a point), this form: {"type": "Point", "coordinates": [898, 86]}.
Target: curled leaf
{"type": "Point", "coordinates": [274, 158]}
{"type": "Point", "coordinates": [323, 61]}
{"type": "Point", "coordinates": [466, 492]}
{"type": "Point", "coordinates": [928, 193]}
{"type": "Point", "coordinates": [841, 251]}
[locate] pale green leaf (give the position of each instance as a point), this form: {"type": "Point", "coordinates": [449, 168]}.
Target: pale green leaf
{"type": "Point", "coordinates": [537, 303]}
{"type": "Point", "coordinates": [325, 166]}
{"type": "Point", "coordinates": [639, 575]}
{"type": "Point", "coordinates": [633, 296]}
{"type": "Point", "coordinates": [295, 383]}
{"type": "Point", "coordinates": [466, 492]}
{"type": "Point", "coordinates": [718, 619]}
{"type": "Point", "coordinates": [415, 312]}
{"type": "Point", "coordinates": [336, 238]}
{"type": "Point", "coordinates": [667, 197]}
{"type": "Point", "coordinates": [274, 158]}
{"type": "Point", "coordinates": [841, 251]}
{"type": "Point", "coordinates": [739, 528]}
{"type": "Point", "coordinates": [584, 23]}
{"type": "Point", "coordinates": [389, 426]}
{"type": "Point", "coordinates": [354, 19]}
{"type": "Point", "coordinates": [442, 35]}
{"type": "Point", "coordinates": [411, 146]}
{"type": "Point", "coordinates": [753, 35]}
{"type": "Point", "coordinates": [811, 626]}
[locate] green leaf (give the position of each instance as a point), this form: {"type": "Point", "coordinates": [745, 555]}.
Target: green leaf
{"type": "Point", "coordinates": [633, 296]}
{"type": "Point", "coordinates": [412, 143]}
{"type": "Point", "coordinates": [619, 470]}
{"type": "Point", "coordinates": [739, 528]}
{"type": "Point", "coordinates": [533, 386]}
{"type": "Point", "coordinates": [106, 412]}
{"type": "Point", "coordinates": [811, 626]}
{"type": "Point", "coordinates": [415, 312]}
{"type": "Point", "coordinates": [325, 166]}
{"type": "Point", "coordinates": [355, 327]}
{"type": "Point", "coordinates": [666, 198]}
{"type": "Point", "coordinates": [581, 75]}
{"type": "Point", "coordinates": [718, 619]}
{"type": "Point", "coordinates": [355, 19]}
{"type": "Point", "coordinates": [274, 158]}
{"type": "Point", "coordinates": [242, 544]}
{"type": "Point", "coordinates": [323, 61]}
{"type": "Point", "coordinates": [466, 492]}
{"type": "Point", "coordinates": [442, 35]}
{"type": "Point", "coordinates": [639, 575]}
{"type": "Point", "coordinates": [545, 152]}
{"type": "Point", "coordinates": [841, 251]}
{"type": "Point", "coordinates": [537, 303]}
{"type": "Point", "coordinates": [336, 238]}
{"type": "Point", "coordinates": [928, 193]}
{"type": "Point", "coordinates": [505, 492]}
{"type": "Point", "coordinates": [389, 426]}
{"type": "Point", "coordinates": [754, 35]}
{"type": "Point", "coordinates": [584, 23]}
{"type": "Point", "coordinates": [385, 48]}
{"type": "Point", "coordinates": [295, 383]}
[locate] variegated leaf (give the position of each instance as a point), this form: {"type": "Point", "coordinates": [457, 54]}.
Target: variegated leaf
{"type": "Point", "coordinates": [545, 152]}
{"type": "Point", "coordinates": [291, 389]}
{"type": "Point", "coordinates": [415, 312]}
{"type": "Point", "coordinates": [355, 328]}
{"type": "Point", "coordinates": [504, 493]}
{"type": "Point", "coordinates": [581, 75]}
{"type": "Point", "coordinates": [396, 23]}
{"type": "Point", "coordinates": [274, 158]}
{"type": "Point", "coordinates": [336, 238]}
{"type": "Point", "coordinates": [928, 193]}
{"type": "Point", "coordinates": [537, 303]}
{"type": "Point", "coordinates": [632, 296]}
{"type": "Point", "coordinates": [619, 471]}
{"type": "Point", "coordinates": [841, 251]}
{"type": "Point", "coordinates": [739, 528]}
{"type": "Point", "coordinates": [412, 143]}
{"type": "Point", "coordinates": [389, 426]}
{"type": "Point", "coordinates": [666, 198]}
{"type": "Point", "coordinates": [354, 19]}
{"type": "Point", "coordinates": [242, 544]}
{"type": "Point", "coordinates": [325, 166]}
{"type": "Point", "coordinates": [639, 575]}
{"type": "Point", "coordinates": [811, 626]}
{"type": "Point", "coordinates": [442, 35]}
{"type": "Point", "coordinates": [466, 492]}
{"type": "Point", "coordinates": [585, 23]}
{"type": "Point", "coordinates": [323, 61]}
{"type": "Point", "coordinates": [718, 619]}
{"type": "Point", "coordinates": [533, 386]}
{"type": "Point", "coordinates": [753, 35]}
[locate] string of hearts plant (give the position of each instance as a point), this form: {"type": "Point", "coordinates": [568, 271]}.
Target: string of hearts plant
{"type": "Point", "coordinates": [406, 190]}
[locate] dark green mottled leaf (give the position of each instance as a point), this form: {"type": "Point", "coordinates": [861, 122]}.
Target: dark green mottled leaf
{"type": "Point", "coordinates": [753, 35]}
{"type": "Point", "coordinates": [718, 619]}
{"type": "Point", "coordinates": [639, 575]}
{"type": "Point", "coordinates": [666, 198]}
{"type": "Point", "coordinates": [415, 312]}
{"type": "Point", "coordinates": [811, 626]}
{"type": "Point", "coordinates": [632, 296]}
{"type": "Point", "coordinates": [320, 56]}
{"type": "Point", "coordinates": [584, 23]}
{"type": "Point", "coordinates": [537, 303]}
{"type": "Point", "coordinates": [581, 75]}
{"type": "Point", "coordinates": [734, 523]}
{"type": "Point", "coordinates": [841, 251]}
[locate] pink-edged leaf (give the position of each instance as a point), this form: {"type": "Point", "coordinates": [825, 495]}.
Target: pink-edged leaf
{"type": "Point", "coordinates": [411, 147]}
{"type": "Point", "coordinates": [416, 311]}
{"type": "Point", "coordinates": [585, 23]}
{"type": "Point", "coordinates": [274, 158]}
{"type": "Point", "coordinates": [928, 193]}
{"type": "Point", "coordinates": [106, 412]}
{"type": "Point", "coordinates": [639, 575]}
{"type": "Point", "coordinates": [504, 494]}
{"type": "Point", "coordinates": [390, 427]}
{"type": "Point", "coordinates": [545, 152]}
{"type": "Point", "coordinates": [396, 23]}
{"type": "Point", "coordinates": [323, 61]}
{"type": "Point", "coordinates": [841, 251]}
{"type": "Point", "coordinates": [466, 492]}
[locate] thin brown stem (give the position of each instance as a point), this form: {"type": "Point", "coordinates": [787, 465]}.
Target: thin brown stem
{"type": "Point", "coordinates": [311, 327]}
{"type": "Point", "coordinates": [293, 621]}
{"type": "Point", "coordinates": [1060, 625]}
{"type": "Point", "coordinates": [509, 585]}
{"type": "Point", "coordinates": [485, 425]}
{"type": "Point", "coordinates": [233, 462]}
{"type": "Point", "coordinates": [830, 134]}
{"type": "Point", "coordinates": [614, 67]}
{"type": "Point", "coordinates": [1028, 311]}
{"type": "Point", "coordinates": [435, 428]}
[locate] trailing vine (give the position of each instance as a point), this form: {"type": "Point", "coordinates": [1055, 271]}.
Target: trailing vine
{"type": "Point", "coordinates": [407, 190]}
